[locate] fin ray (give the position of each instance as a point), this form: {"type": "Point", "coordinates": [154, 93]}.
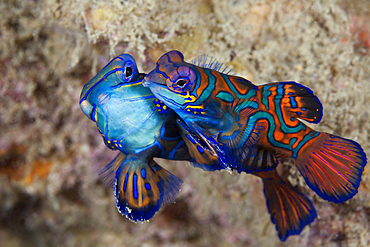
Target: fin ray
{"type": "Point", "coordinates": [209, 62]}
{"type": "Point", "coordinates": [289, 209]}
{"type": "Point", "coordinates": [108, 173]}
{"type": "Point", "coordinates": [199, 153]}
{"type": "Point", "coordinates": [142, 188]}
{"type": "Point", "coordinates": [332, 166]}
{"type": "Point", "coordinates": [242, 138]}
{"type": "Point", "coordinates": [263, 160]}
{"type": "Point", "coordinates": [208, 143]}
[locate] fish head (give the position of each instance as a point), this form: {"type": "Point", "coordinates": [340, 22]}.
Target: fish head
{"type": "Point", "coordinates": [126, 113]}
{"type": "Point", "coordinates": [173, 80]}
{"type": "Point", "coordinates": [120, 72]}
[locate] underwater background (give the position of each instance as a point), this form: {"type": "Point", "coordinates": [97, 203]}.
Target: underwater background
{"type": "Point", "coordinates": [50, 153]}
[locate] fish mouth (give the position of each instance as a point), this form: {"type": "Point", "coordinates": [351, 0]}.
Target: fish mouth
{"type": "Point", "coordinates": [154, 78]}
{"type": "Point", "coordinates": [145, 82]}
{"type": "Point", "coordinates": [87, 109]}
{"type": "Point", "coordinates": [141, 76]}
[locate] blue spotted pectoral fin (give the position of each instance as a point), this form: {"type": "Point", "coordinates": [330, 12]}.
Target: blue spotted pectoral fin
{"type": "Point", "coordinates": [200, 155]}
{"type": "Point", "coordinates": [289, 209]}
{"type": "Point", "coordinates": [108, 173]}
{"type": "Point", "coordinates": [263, 160]}
{"type": "Point", "coordinates": [142, 188]}
{"type": "Point", "coordinates": [296, 101]}
{"type": "Point", "coordinates": [332, 166]}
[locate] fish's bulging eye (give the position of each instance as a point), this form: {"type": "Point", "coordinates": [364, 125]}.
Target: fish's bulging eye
{"type": "Point", "coordinates": [128, 71]}
{"type": "Point", "coordinates": [181, 82]}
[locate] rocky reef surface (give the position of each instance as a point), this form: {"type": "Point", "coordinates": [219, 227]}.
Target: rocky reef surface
{"type": "Point", "coordinates": [50, 153]}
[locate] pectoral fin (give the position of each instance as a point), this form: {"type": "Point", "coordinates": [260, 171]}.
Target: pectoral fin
{"type": "Point", "coordinates": [201, 155]}
{"type": "Point", "coordinates": [108, 173]}
{"type": "Point", "coordinates": [142, 187]}
{"type": "Point", "coordinates": [242, 137]}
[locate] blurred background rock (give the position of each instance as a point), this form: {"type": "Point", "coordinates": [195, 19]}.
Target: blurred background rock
{"type": "Point", "coordinates": [50, 153]}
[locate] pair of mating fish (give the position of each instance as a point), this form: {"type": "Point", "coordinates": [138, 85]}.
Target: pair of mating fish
{"type": "Point", "coordinates": [195, 112]}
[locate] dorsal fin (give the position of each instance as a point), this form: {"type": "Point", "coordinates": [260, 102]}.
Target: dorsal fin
{"type": "Point", "coordinates": [295, 100]}
{"type": "Point", "coordinates": [209, 62]}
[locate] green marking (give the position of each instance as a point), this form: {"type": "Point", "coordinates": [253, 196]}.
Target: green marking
{"type": "Point", "coordinates": [270, 135]}
{"type": "Point", "coordinates": [225, 96]}
{"type": "Point", "coordinates": [207, 91]}
{"type": "Point", "coordinates": [251, 92]}
{"type": "Point", "coordinates": [284, 127]}
{"type": "Point", "coordinates": [265, 95]}
{"type": "Point", "coordinates": [311, 135]}
{"type": "Point", "coordinates": [246, 104]}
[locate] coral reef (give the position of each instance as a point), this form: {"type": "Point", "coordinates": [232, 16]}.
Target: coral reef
{"type": "Point", "coordinates": [50, 153]}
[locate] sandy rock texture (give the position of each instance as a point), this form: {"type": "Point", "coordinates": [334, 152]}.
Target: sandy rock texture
{"type": "Point", "coordinates": [50, 153]}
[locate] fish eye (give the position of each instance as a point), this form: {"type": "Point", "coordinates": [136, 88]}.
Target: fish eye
{"type": "Point", "coordinates": [181, 82]}
{"type": "Point", "coordinates": [128, 71]}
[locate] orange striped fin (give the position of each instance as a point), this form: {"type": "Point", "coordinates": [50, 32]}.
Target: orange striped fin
{"type": "Point", "coordinates": [200, 153]}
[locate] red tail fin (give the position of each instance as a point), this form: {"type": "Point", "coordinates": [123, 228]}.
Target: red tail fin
{"type": "Point", "coordinates": [332, 166]}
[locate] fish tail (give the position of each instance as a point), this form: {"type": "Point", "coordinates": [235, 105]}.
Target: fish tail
{"type": "Point", "coordinates": [332, 166]}
{"type": "Point", "coordinates": [294, 100]}
{"type": "Point", "coordinates": [141, 188]}
{"type": "Point", "coordinates": [289, 209]}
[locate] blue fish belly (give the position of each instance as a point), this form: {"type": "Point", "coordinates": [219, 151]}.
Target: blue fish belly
{"type": "Point", "coordinates": [130, 124]}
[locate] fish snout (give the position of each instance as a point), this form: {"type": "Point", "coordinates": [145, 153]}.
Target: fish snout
{"type": "Point", "coordinates": [145, 82]}
{"type": "Point", "coordinates": [141, 76]}
{"type": "Point", "coordinates": [154, 78]}
{"type": "Point", "coordinates": [87, 109]}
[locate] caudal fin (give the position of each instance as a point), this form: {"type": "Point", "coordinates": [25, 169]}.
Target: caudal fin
{"type": "Point", "coordinates": [332, 166]}
{"type": "Point", "coordinates": [141, 188]}
{"type": "Point", "coordinates": [290, 210]}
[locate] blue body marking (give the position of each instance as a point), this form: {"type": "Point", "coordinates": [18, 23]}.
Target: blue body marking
{"type": "Point", "coordinates": [293, 102]}
{"type": "Point", "coordinates": [143, 173]}
{"type": "Point", "coordinates": [135, 185]}
{"type": "Point", "coordinates": [174, 150]}
{"type": "Point", "coordinates": [125, 184]}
